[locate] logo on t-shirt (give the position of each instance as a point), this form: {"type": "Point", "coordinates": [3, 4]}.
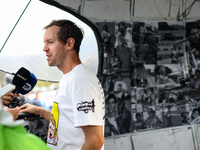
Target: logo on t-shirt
{"type": "Point", "coordinates": [86, 106]}
{"type": "Point", "coordinates": [53, 125]}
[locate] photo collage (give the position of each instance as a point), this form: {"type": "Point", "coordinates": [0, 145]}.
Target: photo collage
{"type": "Point", "coordinates": [151, 74]}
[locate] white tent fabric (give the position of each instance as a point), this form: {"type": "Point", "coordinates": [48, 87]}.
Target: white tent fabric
{"type": "Point", "coordinates": [24, 45]}
{"type": "Point", "coordinates": [134, 10]}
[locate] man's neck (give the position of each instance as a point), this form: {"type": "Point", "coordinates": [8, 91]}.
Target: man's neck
{"type": "Point", "coordinates": [71, 61]}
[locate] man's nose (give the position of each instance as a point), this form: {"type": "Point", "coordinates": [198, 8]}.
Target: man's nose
{"type": "Point", "coordinates": [45, 48]}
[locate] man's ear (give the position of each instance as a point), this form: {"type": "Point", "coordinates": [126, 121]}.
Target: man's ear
{"type": "Point", "coordinates": [70, 43]}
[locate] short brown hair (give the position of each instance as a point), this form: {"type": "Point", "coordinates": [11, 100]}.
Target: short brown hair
{"type": "Point", "coordinates": [68, 29]}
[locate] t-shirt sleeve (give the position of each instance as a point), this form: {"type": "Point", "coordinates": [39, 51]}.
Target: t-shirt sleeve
{"type": "Point", "coordinates": [87, 102]}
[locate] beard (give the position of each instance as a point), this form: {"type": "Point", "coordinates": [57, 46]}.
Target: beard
{"type": "Point", "coordinates": [57, 59]}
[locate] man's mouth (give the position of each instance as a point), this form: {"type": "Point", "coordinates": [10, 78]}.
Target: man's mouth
{"type": "Point", "coordinates": [48, 57]}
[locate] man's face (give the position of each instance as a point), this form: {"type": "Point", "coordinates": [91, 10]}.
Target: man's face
{"type": "Point", "coordinates": [151, 114]}
{"type": "Point", "coordinates": [55, 50]}
{"type": "Point", "coordinates": [122, 28]}
{"type": "Point", "coordinates": [138, 117]}
{"type": "Point", "coordinates": [105, 28]}
{"type": "Point", "coordinates": [195, 114]}
{"type": "Point", "coordinates": [119, 87]}
{"type": "Point", "coordinates": [115, 63]}
{"type": "Point", "coordinates": [194, 35]}
{"type": "Point", "coordinates": [162, 71]}
{"type": "Point", "coordinates": [111, 104]}
{"type": "Point", "coordinates": [173, 96]}
{"type": "Point", "coordinates": [149, 92]}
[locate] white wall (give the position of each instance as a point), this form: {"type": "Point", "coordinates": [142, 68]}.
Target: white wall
{"type": "Point", "coordinates": [177, 138]}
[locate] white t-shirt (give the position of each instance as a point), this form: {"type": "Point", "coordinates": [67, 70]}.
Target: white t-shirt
{"type": "Point", "coordinates": [79, 102]}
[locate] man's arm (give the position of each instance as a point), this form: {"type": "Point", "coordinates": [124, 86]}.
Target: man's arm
{"type": "Point", "coordinates": [28, 108]}
{"type": "Point", "coordinates": [94, 138]}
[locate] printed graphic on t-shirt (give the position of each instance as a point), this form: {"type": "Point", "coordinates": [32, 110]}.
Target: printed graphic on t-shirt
{"type": "Point", "coordinates": [86, 106]}
{"type": "Point", "coordinates": [53, 125]}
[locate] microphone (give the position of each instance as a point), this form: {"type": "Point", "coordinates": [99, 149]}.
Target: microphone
{"type": "Point", "coordinates": [28, 86]}
{"type": "Point", "coordinates": [21, 77]}
{"type": "Point", "coordinates": [24, 81]}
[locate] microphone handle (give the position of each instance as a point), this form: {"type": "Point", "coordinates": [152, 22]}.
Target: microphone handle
{"type": "Point", "coordinates": [14, 102]}
{"type": "Point", "coordinates": [15, 91]}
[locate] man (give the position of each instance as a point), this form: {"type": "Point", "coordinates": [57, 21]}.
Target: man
{"type": "Point", "coordinates": [143, 31]}
{"type": "Point", "coordinates": [152, 121]}
{"type": "Point", "coordinates": [194, 37]}
{"type": "Point", "coordinates": [193, 44]}
{"type": "Point", "coordinates": [77, 116]}
{"type": "Point", "coordinates": [111, 115]}
{"type": "Point", "coordinates": [105, 34]}
{"type": "Point", "coordinates": [124, 36]}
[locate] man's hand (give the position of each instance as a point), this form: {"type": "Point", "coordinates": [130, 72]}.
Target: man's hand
{"type": "Point", "coordinates": [13, 111]}
{"type": "Point", "coordinates": [28, 108]}
{"type": "Point", "coordinates": [6, 99]}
